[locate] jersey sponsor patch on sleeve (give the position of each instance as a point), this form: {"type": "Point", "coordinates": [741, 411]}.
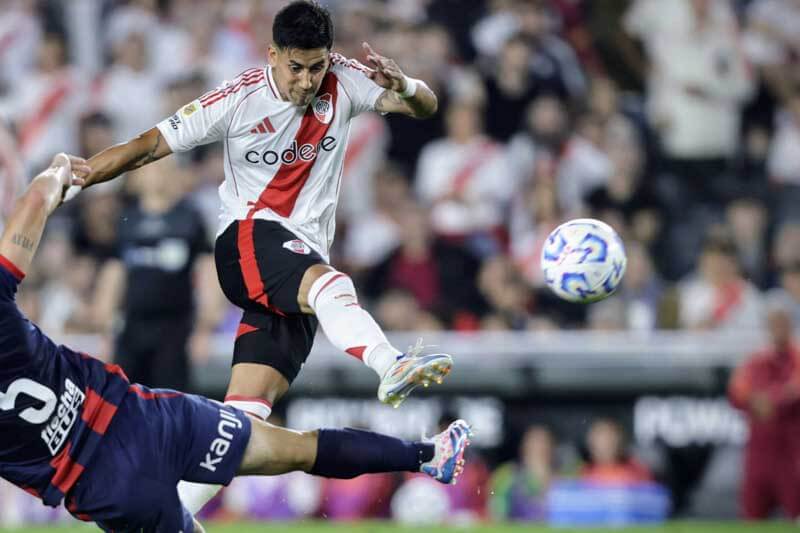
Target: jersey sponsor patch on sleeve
{"type": "Point", "coordinates": [297, 246]}
{"type": "Point", "coordinates": [189, 109]}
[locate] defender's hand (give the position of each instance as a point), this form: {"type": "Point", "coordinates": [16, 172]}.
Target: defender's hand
{"type": "Point", "coordinates": [386, 73]}
{"type": "Point", "coordinates": [70, 169]}
{"type": "Point", "coordinates": [80, 167]}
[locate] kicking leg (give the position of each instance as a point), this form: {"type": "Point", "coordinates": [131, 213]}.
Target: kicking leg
{"type": "Point", "coordinates": [331, 296]}
{"type": "Point", "coordinates": [348, 453]}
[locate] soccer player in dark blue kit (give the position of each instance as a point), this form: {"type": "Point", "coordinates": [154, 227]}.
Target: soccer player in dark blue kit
{"type": "Point", "coordinates": [73, 430]}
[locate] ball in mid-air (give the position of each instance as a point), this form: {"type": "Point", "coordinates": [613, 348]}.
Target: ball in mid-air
{"type": "Point", "coordinates": [583, 260]}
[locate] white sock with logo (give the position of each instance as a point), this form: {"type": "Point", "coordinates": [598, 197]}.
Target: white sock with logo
{"type": "Point", "coordinates": [348, 327]}
{"type": "Point", "coordinates": [195, 496]}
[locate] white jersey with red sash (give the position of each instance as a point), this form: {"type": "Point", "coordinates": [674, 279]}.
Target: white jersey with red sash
{"type": "Point", "coordinates": [282, 162]}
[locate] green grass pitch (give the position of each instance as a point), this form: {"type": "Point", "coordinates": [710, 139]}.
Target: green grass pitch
{"type": "Point", "coordinates": [380, 527]}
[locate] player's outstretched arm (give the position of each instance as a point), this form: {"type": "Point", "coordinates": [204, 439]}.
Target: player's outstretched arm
{"type": "Point", "coordinates": [148, 147]}
{"type": "Point", "coordinates": [403, 94]}
{"type": "Point", "coordinates": [26, 223]}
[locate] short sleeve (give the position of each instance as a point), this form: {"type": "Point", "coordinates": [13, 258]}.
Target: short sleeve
{"type": "Point", "coordinates": [206, 119]}
{"type": "Point", "coordinates": [352, 75]}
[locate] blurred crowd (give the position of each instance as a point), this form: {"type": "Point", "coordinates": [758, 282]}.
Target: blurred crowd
{"type": "Point", "coordinates": [676, 122]}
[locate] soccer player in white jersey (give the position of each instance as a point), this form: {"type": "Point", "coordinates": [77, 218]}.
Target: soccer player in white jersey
{"type": "Point", "coordinates": [284, 129]}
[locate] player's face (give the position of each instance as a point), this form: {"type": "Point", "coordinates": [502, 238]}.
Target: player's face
{"type": "Point", "coordinates": [298, 73]}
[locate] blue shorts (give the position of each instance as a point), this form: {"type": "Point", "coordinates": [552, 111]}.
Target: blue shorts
{"type": "Point", "coordinates": [158, 438]}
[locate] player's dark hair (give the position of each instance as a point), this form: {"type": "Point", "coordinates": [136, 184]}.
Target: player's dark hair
{"type": "Point", "coordinates": [303, 24]}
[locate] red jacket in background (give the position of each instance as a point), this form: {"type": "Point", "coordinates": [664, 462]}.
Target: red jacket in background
{"type": "Point", "coordinates": [772, 457]}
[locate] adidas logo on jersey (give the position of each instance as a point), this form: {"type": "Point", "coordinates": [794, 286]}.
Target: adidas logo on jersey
{"type": "Point", "coordinates": [265, 126]}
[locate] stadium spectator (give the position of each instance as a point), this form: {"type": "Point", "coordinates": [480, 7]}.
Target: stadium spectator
{"type": "Point", "coordinates": [767, 388]}
{"type": "Point", "coordinates": [609, 461]}
{"type": "Point", "coordinates": [771, 44]}
{"type": "Point", "coordinates": [648, 305]}
{"type": "Point", "coordinates": [465, 180]}
{"type": "Point", "coordinates": [542, 142]}
{"type": "Point", "coordinates": [509, 87]}
{"type": "Point", "coordinates": [584, 165]}
{"type": "Point", "coordinates": [374, 233]}
{"type": "Point", "coordinates": [366, 154]}
{"type": "Point", "coordinates": [65, 297]}
{"type": "Point", "coordinates": [519, 488]}
{"type": "Point", "coordinates": [12, 174]}
{"type": "Point", "coordinates": [698, 83]}
{"type": "Point", "coordinates": [553, 57]}
{"type": "Point", "coordinates": [552, 63]}
{"type": "Point", "coordinates": [644, 302]}
{"type": "Point", "coordinates": [510, 299]}
{"type": "Point", "coordinates": [399, 310]}
{"type": "Point", "coordinates": [162, 243]}
{"type": "Point", "coordinates": [783, 162]}
{"type": "Point", "coordinates": [534, 214]}
{"type": "Point", "coordinates": [45, 104]}
{"type": "Point", "coordinates": [440, 275]}
{"type": "Point", "coordinates": [786, 245]}
{"type": "Point", "coordinates": [127, 90]}
{"type": "Point", "coordinates": [627, 193]}
{"type": "Point", "coordinates": [20, 33]}
{"type": "Point", "coordinates": [162, 32]}
{"type": "Point", "coordinates": [94, 230]}
{"type": "Point", "coordinates": [747, 219]}
{"type": "Point", "coordinates": [790, 282]}
{"type": "Point", "coordinates": [717, 296]}
{"type": "Point", "coordinates": [440, 66]}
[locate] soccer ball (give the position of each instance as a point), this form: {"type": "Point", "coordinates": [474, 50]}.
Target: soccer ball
{"type": "Point", "coordinates": [583, 260]}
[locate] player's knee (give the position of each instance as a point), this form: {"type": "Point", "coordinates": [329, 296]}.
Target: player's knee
{"type": "Point", "coordinates": [332, 286]}
{"type": "Point", "coordinates": [310, 284]}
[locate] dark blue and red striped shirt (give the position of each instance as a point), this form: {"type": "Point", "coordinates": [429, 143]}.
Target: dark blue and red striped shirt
{"type": "Point", "coordinates": [55, 404]}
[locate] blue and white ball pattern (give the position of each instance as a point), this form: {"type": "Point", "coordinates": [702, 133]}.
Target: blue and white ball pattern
{"type": "Point", "coordinates": [583, 260]}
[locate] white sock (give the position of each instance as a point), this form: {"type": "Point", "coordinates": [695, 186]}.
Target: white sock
{"type": "Point", "coordinates": [195, 496]}
{"type": "Point", "coordinates": [258, 407]}
{"type": "Point", "coordinates": [348, 327]}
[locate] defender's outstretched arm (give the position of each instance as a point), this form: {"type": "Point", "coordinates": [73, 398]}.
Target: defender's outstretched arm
{"type": "Point", "coordinates": [25, 225]}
